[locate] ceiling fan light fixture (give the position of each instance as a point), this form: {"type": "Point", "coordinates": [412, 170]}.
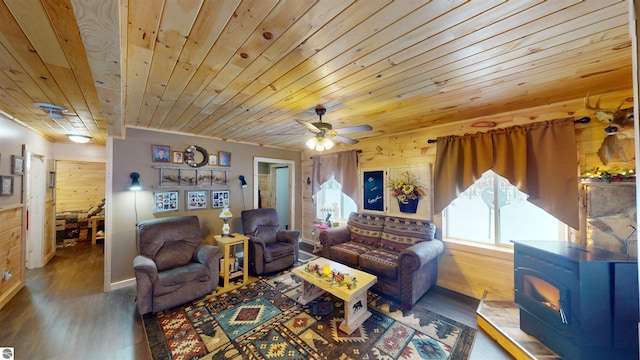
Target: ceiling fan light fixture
{"type": "Point", "coordinates": [328, 144]}
{"type": "Point", "coordinates": [319, 143]}
{"type": "Point", "coordinates": [311, 143]}
{"type": "Point", "coordinates": [79, 139]}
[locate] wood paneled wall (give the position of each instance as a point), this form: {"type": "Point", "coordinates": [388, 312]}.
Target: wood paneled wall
{"type": "Point", "coordinates": [462, 269]}
{"type": "Point", "coordinates": [11, 252]}
{"type": "Point", "coordinates": [79, 185]}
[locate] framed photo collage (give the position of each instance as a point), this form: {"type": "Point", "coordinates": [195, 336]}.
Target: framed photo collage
{"type": "Point", "coordinates": [169, 201]}
{"type": "Point", "coordinates": [190, 199]}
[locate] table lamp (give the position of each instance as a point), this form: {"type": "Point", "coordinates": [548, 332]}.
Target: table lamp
{"type": "Point", "coordinates": [225, 215]}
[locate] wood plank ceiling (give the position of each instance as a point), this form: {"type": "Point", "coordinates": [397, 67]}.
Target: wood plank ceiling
{"type": "Point", "coordinates": [246, 70]}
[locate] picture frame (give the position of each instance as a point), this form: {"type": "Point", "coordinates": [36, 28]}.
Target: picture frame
{"type": "Point", "coordinates": [197, 200]}
{"type": "Point", "coordinates": [374, 191]}
{"type": "Point", "coordinates": [219, 198]}
{"type": "Point", "coordinates": [166, 201]}
{"type": "Point", "coordinates": [177, 157]}
{"type": "Point", "coordinates": [17, 165]}
{"type": "Point", "coordinates": [160, 153]}
{"type": "Point", "coordinates": [6, 185]}
{"type": "Point", "coordinates": [213, 160]}
{"type": "Point", "coordinates": [224, 158]}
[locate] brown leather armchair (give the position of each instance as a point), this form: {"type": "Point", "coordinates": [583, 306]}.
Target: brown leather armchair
{"type": "Point", "coordinates": [270, 249]}
{"type": "Point", "coordinates": [174, 266]}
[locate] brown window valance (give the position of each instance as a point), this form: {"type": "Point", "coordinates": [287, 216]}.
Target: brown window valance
{"type": "Point", "coordinates": [343, 166]}
{"type": "Point", "coordinates": [540, 159]}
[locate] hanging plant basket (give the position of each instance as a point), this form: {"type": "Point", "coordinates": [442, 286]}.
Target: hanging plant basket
{"type": "Point", "coordinates": [409, 206]}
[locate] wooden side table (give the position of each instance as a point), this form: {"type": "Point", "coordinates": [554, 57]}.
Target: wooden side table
{"type": "Point", "coordinates": [227, 242]}
{"type": "Point", "coordinates": [94, 228]}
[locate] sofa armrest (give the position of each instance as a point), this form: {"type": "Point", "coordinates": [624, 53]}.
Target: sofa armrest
{"type": "Point", "coordinates": [420, 254]}
{"type": "Point", "coordinates": [333, 236]}
{"type": "Point", "coordinates": [290, 236]}
{"type": "Point", "coordinates": [142, 264]}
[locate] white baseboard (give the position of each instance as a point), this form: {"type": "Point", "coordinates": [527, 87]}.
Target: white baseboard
{"type": "Point", "coordinates": [122, 284]}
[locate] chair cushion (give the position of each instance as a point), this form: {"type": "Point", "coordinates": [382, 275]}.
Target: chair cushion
{"type": "Point", "coordinates": [400, 233]}
{"type": "Point", "coordinates": [266, 233]}
{"type": "Point", "coordinates": [176, 277]}
{"type": "Point", "coordinates": [173, 254]}
{"type": "Point", "coordinates": [349, 252]}
{"type": "Point", "coordinates": [365, 228]}
{"type": "Point", "coordinates": [277, 250]}
{"type": "Point", "coordinates": [380, 262]}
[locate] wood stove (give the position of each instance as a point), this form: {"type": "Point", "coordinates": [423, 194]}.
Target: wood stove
{"type": "Point", "coordinates": [581, 302]}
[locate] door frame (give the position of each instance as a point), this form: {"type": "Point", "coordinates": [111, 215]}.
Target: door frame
{"type": "Point", "coordinates": [292, 184]}
{"type": "Point", "coordinates": [35, 240]}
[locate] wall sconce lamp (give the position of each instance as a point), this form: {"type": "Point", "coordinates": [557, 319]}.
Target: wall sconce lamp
{"type": "Point", "coordinates": [243, 185]}
{"type": "Point", "coordinates": [135, 182]}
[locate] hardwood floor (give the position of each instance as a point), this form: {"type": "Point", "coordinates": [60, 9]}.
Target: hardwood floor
{"type": "Point", "coordinates": [63, 313]}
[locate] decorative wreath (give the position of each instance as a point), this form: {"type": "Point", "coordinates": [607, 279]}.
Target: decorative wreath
{"type": "Point", "coordinates": [190, 158]}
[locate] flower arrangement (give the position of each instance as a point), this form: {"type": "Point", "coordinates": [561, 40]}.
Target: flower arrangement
{"type": "Point", "coordinates": [332, 276]}
{"type": "Point", "coordinates": [406, 187]}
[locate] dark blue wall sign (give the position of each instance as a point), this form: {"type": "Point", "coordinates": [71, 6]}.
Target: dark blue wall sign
{"type": "Point", "coordinates": [373, 190]}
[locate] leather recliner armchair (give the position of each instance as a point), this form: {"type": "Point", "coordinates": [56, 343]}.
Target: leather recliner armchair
{"type": "Point", "coordinates": [270, 248]}
{"type": "Point", "coordinates": [174, 266]}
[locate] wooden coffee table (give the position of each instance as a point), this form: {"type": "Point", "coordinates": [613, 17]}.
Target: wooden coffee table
{"type": "Point", "coordinates": [354, 293]}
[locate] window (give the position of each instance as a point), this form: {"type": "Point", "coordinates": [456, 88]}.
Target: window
{"type": "Point", "coordinates": [331, 199]}
{"type": "Point", "coordinates": [492, 211]}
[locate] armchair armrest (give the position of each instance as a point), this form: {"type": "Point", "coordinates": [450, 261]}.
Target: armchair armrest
{"type": "Point", "coordinates": [420, 254]}
{"type": "Point", "coordinates": [205, 253]}
{"type": "Point", "coordinates": [209, 256]}
{"type": "Point", "coordinates": [146, 274]}
{"type": "Point", "coordinates": [142, 264]}
{"type": "Point", "coordinates": [290, 236]}
{"type": "Point", "coordinates": [255, 241]}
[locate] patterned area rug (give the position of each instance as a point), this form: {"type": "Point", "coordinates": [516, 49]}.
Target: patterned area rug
{"type": "Point", "coordinates": [262, 320]}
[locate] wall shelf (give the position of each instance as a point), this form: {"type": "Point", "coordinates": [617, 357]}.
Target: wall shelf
{"type": "Point", "coordinates": [177, 177]}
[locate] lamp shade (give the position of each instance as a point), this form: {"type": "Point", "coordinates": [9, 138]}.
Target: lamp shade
{"type": "Point", "coordinates": [135, 181]}
{"type": "Point", "coordinates": [319, 143]}
{"type": "Point", "coordinates": [225, 213]}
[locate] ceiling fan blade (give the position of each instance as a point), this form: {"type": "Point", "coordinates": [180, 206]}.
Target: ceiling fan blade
{"type": "Point", "coordinates": [345, 140]}
{"type": "Point", "coordinates": [353, 129]}
{"type": "Point", "coordinates": [309, 126]}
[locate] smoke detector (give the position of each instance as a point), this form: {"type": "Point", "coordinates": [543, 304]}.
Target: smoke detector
{"type": "Point", "coordinates": [53, 111]}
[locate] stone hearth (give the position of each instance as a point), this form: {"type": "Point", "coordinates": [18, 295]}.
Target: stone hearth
{"type": "Point", "coordinates": [609, 215]}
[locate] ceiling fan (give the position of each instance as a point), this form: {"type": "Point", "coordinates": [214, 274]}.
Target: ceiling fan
{"type": "Point", "coordinates": [53, 111]}
{"type": "Point", "coordinates": [324, 132]}
{"type": "Point", "coordinates": [56, 112]}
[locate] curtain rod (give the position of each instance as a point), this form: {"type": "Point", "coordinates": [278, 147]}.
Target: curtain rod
{"type": "Point", "coordinates": [582, 120]}
{"type": "Point", "coordinates": [358, 151]}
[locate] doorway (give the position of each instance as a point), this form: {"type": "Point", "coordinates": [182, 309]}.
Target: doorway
{"type": "Point", "coordinates": [34, 194]}
{"type": "Point", "coordinates": [274, 187]}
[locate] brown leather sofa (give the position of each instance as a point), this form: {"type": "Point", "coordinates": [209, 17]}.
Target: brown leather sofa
{"type": "Point", "coordinates": [271, 249]}
{"type": "Point", "coordinates": [174, 266]}
{"type": "Point", "coordinates": [402, 253]}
